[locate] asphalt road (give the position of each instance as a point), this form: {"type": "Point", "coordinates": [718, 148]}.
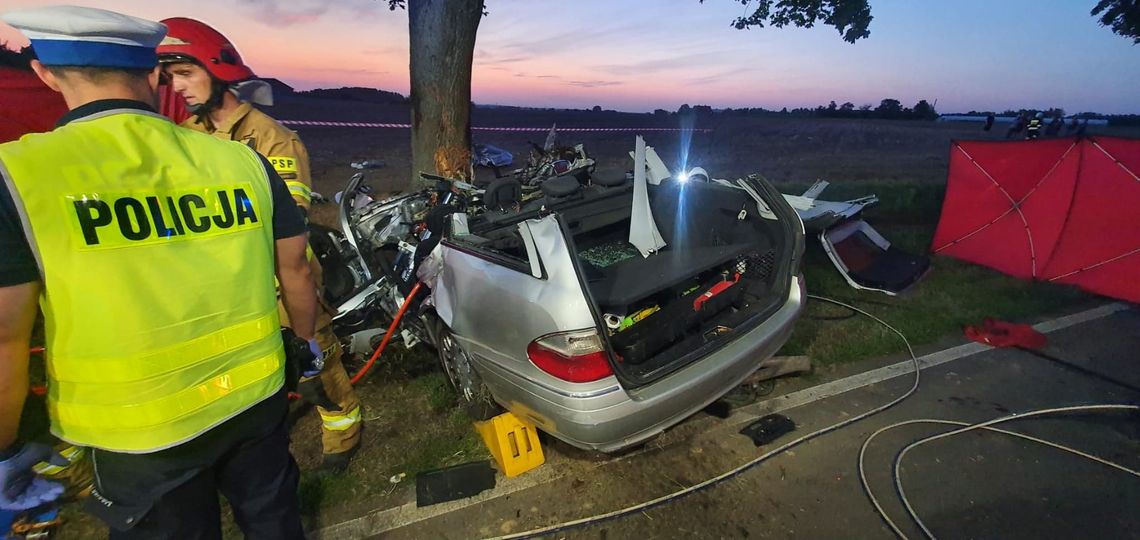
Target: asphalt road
{"type": "Point", "coordinates": [978, 485]}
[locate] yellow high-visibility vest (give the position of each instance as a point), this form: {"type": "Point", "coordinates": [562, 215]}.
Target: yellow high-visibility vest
{"type": "Point", "coordinates": [156, 249]}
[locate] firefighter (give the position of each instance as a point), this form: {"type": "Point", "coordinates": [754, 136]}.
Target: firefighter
{"type": "Point", "coordinates": [152, 251]}
{"type": "Point", "coordinates": [1034, 129]}
{"type": "Point", "coordinates": [206, 70]}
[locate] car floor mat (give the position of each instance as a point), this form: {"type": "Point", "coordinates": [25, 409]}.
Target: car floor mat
{"type": "Point", "coordinates": [453, 483]}
{"type": "Point", "coordinates": [768, 428]}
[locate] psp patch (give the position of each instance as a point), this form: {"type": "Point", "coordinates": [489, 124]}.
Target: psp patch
{"type": "Point", "coordinates": [283, 164]}
{"type": "Point", "coordinates": [111, 220]}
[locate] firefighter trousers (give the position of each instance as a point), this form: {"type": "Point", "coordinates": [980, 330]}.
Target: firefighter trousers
{"type": "Point", "coordinates": [340, 429]}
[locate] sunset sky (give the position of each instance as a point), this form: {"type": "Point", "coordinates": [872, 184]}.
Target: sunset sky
{"type": "Point", "coordinates": [638, 55]}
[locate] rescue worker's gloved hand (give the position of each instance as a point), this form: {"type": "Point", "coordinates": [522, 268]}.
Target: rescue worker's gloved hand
{"type": "Point", "coordinates": [302, 358]}
{"type": "Point", "coordinates": [304, 361]}
{"type": "Point", "coordinates": [317, 362]}
{"type": "Point", "coordinates": [20, 488]}
{"type": "Point", "coordinates": [312, 390]}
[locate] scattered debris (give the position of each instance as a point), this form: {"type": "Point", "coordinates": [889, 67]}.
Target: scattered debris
{"type": "Point", "coordinates": [759, 384]}
{"type": "Point", "coordinates": [487, 155]}
{"type": "Point", "coordinates": [820, 215]}
{"type": "Point", "coordinates": [768, 428]}
{"type": "Point", "coordinates": [609, 254]}
{"type": "Point", "coordinates": [553, 161]}
{"type": "Point", "coordinates": [997, 333]}
{"type": "Point", "coordinates": [868, 261]}
{"type": "Point", "coordinates": [368, 164]}
{"type": "Point", "coordinates": [780, 366]}
{"type": "Point", "coordinates": [454, 483]}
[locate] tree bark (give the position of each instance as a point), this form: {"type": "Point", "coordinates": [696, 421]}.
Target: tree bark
{"type": "Point", "coordinates": [442, 35]}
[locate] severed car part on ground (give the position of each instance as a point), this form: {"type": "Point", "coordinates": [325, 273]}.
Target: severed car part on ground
{"type": "Point", "coordinates": [603, 310]}
{"type": "Point", "coordinates": [864, 258]}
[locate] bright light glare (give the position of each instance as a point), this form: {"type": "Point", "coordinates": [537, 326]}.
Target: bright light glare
{"type": "Point", "coordinates": [683, 177]}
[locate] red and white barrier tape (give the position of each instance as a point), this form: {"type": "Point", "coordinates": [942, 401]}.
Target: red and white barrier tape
{"type": "Point", "coordinates": [322, 123]}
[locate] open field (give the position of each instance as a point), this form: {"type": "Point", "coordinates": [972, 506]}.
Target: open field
{"type": "Point", "coordinates": [783, 148]}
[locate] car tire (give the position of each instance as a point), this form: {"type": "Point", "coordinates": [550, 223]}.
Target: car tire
{"type": "Point", "coordinates": [473, 394]}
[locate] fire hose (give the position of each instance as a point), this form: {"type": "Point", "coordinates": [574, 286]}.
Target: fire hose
{"type": "Point", "coordinates": [387, 336]}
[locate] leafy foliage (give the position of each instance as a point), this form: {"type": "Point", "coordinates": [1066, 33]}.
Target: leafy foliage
{"type": "Point", "coordinates": [924, 110]}
{"type": "Point", "coordinates": [1122, 16]}
{"type": "Point", "coordinates": [851, 18]}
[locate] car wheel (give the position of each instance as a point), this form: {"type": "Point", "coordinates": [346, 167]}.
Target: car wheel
{"type": "Point", "coordinates": [473, 394]}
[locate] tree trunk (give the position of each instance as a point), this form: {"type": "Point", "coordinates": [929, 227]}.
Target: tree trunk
{"type": "Point", "coordinates": [442, 35]}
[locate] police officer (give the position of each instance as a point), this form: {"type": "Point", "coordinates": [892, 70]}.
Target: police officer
{"type": "Point", "coordinates": [207, 71]}
{"type": "Point", "coordinates": [151, 250]}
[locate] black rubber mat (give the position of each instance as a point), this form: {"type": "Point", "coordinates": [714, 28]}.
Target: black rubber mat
{"type": "Point", "coordinates": [453, 483]}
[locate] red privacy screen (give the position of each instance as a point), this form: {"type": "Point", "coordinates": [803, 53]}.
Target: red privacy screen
{"type": "Point", "coordinates": [1061, 210]}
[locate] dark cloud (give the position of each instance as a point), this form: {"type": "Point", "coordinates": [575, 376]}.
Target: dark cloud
{"type": "Point", "coordinates": [285, 13]}
{"type": "Point", "coordinates": [350, 71]}
{"type": "Point", "coordinates": [647, 67]}
{"type": "Point", "coordinates": [290, 13]}
{"type": "Point", "coordinates": [580, 84]}
{"type": "Point", "coordinates": [717, 77]}
{"type": "Point", "coordinates": [485, 59]}
{"type": "Point", "coordinates": [593, 84]}
{"type": "Point", "coordinates": [704, 80]}
{"type": "Point", "coordinates": [568, 41]}
{"type": "Point", "coordinates": [512, 59]}
{"type": "Point", "coordinates": [530, 76]}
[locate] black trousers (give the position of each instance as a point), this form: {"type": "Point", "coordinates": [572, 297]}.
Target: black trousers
{"type": "Point", "coordinates": [174, 493]}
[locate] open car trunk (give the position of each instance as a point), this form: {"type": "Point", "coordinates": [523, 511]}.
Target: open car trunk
{"type": "Point", "coordinates": [725, 267]}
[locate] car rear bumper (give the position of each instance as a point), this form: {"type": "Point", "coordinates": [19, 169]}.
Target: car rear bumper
{"type": "Point", "coordinates": [608, 418]}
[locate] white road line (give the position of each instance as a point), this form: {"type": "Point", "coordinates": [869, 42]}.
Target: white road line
{"type": "Point", "coordinates": [394, 518]}
{"type": "Point", "coordinates": [834, 388]}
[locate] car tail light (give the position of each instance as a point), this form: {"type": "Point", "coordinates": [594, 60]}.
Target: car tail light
{"type": "Point", "coordinates": [576, 356]}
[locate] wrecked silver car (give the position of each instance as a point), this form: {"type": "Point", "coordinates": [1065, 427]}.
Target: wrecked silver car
{"type": "Point", "coordinates": [604, 311]}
